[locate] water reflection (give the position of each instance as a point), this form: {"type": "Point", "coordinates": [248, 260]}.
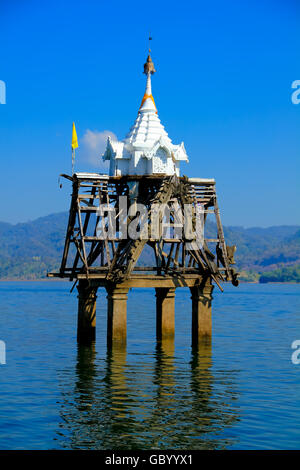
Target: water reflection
{"type": "Point", "coordinates": [153, 401]}
{"type": "Point", "coordinates": [212, 412]}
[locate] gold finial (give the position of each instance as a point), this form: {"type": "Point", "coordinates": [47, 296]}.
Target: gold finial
{"type": "Point", "coordinates": [149, 66]}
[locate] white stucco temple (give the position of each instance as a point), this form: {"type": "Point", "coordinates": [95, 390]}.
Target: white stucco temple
{"type": "Point", "coordinates": [147, 148]}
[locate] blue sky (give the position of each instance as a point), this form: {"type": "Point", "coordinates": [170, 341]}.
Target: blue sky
{"type": "Point", "coordinates": [223, 86]}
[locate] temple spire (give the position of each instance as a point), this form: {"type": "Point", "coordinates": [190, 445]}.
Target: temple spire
{"type": "Point", "coordinates": [147, 149]}
{"type": "Point", "coordinates": [148, 103]}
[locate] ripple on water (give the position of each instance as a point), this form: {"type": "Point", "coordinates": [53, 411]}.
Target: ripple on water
{"type": "Point", "coordinates": [239, 391]}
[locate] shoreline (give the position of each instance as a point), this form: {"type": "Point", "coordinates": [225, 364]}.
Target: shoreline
{"type": "Point", "coordinates": [56, 279]}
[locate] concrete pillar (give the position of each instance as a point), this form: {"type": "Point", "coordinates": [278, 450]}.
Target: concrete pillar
{"type": "Point", "coordinates": [86, 324]}
{"type": "Point", "coordinates": [116, 315]}
{"type": "Point", "coordinates": [165, 312]}
{"type": "Point", "coordinates": [201, 311]}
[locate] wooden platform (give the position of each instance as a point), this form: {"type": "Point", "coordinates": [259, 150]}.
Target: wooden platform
{"type": "Point", "coordinates": [91, 261]}
{"type": "Point", "coordinates": [142, 281]}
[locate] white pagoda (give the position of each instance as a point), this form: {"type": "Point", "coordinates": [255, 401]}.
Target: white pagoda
{"type": "Point", "coordinates": [147, 149]}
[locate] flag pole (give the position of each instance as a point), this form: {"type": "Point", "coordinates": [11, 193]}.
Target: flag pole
{"type": "Point", "coordinates": [73, 160]}
{"type": "Point", "coordinates": [74, 145]}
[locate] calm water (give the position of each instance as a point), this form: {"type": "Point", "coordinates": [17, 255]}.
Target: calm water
{"type": "Point", "coordinates": [240, 392]}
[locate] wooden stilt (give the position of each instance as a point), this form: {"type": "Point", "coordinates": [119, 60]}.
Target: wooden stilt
{"type": "Point", "coordinates": [116, 315]}
{"type": "Point", "coordinates": [201, 311]}
{"type": "Point", "coordinates": [165, 312]}
{"type": "Point", "coordinates": [86, 325]}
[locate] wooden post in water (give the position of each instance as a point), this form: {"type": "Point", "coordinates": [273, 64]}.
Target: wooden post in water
{"type": "Point", "coordinates": [116, 314]}
{"type": "Point", "coordinates": [165, 312]}
{"type": "Point", "coordinates": [86, 325]}
{"type": "Point", "coordinates": [201, 311]}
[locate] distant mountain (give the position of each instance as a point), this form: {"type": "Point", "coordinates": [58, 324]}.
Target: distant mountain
{"type": "Point", "coordinates": [265, 249]}
{"type": "Point", "coordinates": [29, 250]}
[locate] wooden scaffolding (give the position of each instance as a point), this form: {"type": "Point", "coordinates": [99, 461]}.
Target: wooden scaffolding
{"type": "Point", "coordinates": [93, 257]}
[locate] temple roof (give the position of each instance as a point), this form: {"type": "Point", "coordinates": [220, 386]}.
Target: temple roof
{"type": "Point", "coordinates": [147, 128]}
{"type": "Point", "coordinates": [147, 134]}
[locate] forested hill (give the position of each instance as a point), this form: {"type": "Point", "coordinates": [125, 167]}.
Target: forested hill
{"type": "Point", "coordinates": [29, 250]}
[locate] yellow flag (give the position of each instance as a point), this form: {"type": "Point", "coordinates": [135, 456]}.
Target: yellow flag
{"type": "Point", "coordinates": [74, 138]}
